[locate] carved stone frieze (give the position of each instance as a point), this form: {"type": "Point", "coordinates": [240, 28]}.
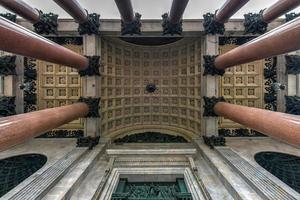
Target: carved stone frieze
{"type": "Point", "coordinates": [213, 141]}
{"type": "Point", "coordinates": [93, 68]}
{"type": "Point", "coordinates": [151, 137]}
{"type": "Point", "coordinates": [93, 104]}
{"type": "Point", "coordinates": [169, 28]}
{"type": "Point", "coordinates": [234, 40]}
{"type": "Point", "coordinates": [88, 141]}
{"type": "Point", "coordinates": [7, 65]}
{"type": "Point", "coordinates": [151, 190]}
{"type": "Point", "coordinates": [47, 24]}
{"type": "Point", "coordinates": [209, 66]}
{"type": "Point", "coordinates": [209, 103]}
{"type": "Point", "coordinates": [63, 134]}
{"type": "Point", "coordinates": [67, 40]}
{"type": "Point", "coordinates": [91, 26]}
{"type": "Point", "coordinates": [133, 27]}
{"type": "Point", "coordinates": [292, 105]}
{"type": "Point", "coordinates": [239, 132]}
{"type": "Point", "coordinates": [254, 24]}
{"type": "Point", "coordinates": [292, 64]}
{"type": "Point", "coordinates": [30, 77]}
{"type": "Point", "coordinates": [291, 16]}
{"type": "Point", "coordinates": [9, 16]}
{"type": "Point", "coordinates": [211, 26]}
{"type": "Point", "coordinates": [270, 76]}
{"type": "Point", "coordinates": [7, 106]}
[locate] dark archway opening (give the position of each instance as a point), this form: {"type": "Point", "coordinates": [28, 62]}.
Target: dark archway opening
{"type": "Point", "coordinates": [284, 166]}
{"type": "Point", "coordinates": [150, 137]}
{"type": "Point", "coordinates": [151, 41]}
{"type": "Point", "coordinates": [14, 170]}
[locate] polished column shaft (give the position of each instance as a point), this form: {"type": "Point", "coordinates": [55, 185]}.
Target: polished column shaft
{"type": "Point", "coordinates": [74, 9]}
{"type": "Point", "coordinates": [228, 9]}
{"type": "Point", "coordinates": [17, 39]}
{"type": "Point", "coordinates": [126, 10]}
{"type": "Point", "coordinates": [21, 8]}
{"type": "Point", "coordinates": [19, 128]}
{"type": "Point", "coordinates": [177, 10]}
{"type": "Point", "coordinates": [279, 8]}
{"type": "Point", "coordinates": [281, 126]}
{"type": "Point", "coordinates": [278, 41]}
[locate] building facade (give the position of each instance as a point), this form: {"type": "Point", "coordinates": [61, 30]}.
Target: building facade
{"type": "Point", "coordinates": [152, 122]}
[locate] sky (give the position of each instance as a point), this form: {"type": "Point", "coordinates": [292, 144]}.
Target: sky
{"type": "Point", "coordinates": [150, 9]}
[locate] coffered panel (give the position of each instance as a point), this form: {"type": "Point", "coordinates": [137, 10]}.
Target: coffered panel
{"type": "Point", "coordinates": [175, 69]}
{"type": "Point", "coordinates": [59, 85]}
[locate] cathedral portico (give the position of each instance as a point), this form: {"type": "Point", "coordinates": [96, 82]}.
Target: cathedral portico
{"type": "Point", "coordinates": [149, 108]}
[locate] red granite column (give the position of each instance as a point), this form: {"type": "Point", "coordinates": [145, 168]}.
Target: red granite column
{"type": "Point", "coordinates": [126, 10]}
{"type": "Point", "coordinates": [278, 125]}
{"type": "Point", "coordinates": [279, 8]}
{"type": "Point", "coordinates": [18, 128]}
{"type": "Point", "coordinates": [229, 8]}
{"type": "Point", "coordinates": [278, 41]}
{"type": "Point", "coordinates": [17, 39]}
{"type": "Point", "coordinates": [74, 9]}
{"type": "Point", "coordinates": [177, 10]}
{"type": "Point", "coordinates": [21, 8]}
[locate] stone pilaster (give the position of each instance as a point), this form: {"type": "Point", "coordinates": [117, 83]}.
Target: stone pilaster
{"type": "Point", "coordinates": [282, 78]}
{"type": "Point", "coordinates": [19, 79]}
{"type": "Point", "coordinates": [12, 77]}
{"type": "Point", "coordinates": [91, 84]}
{"type": "Point", "coordinates": [209, 86]}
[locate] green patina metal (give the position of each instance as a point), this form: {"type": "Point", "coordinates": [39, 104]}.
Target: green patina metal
{"type": "Point", "coordinates": [151, 190]}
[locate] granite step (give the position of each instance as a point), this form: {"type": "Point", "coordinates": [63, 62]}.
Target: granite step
{"type": "Point", "coordinates": [65, 188]}
{"type": "Point", "coordinates": [214, 187]}
{"type": "Point", "coordinates": [261, 183]}
{"type": "Point", "coordinates": [92, 185]}
{"type": "Point", "coordinates": [43, 183]}
{"type": "Point", "coordinates": [233, 182]}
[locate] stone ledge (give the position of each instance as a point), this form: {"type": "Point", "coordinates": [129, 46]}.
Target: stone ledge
{"type": "Point", "coordinates": [151, 151]}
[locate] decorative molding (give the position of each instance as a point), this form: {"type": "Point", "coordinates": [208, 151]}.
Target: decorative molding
{"type": "Point", "coordinates": [235, 40]}
{"type": "Point", "coordinates": [292, 64]}
{"type": "Point", "coordinates": [291, 16]}
{"type": "Point", "coordinates": [151, 137]}
{"type": "Point", "coordinates": [270, 75]}
{"type": "Point", "coordinates": [9, 16]}
{"type": "Point", "coordinates": [254, 24]}
{"type": "Point", "coordinates": [88, 141]}
{"type": "Point", "coordinates": [91, 26]}
{"type": "Point", "coordinates": [30, 76]}
{"type": "Point", "coordinates": [151, 87]}
{"type": "Point", "coordinates": [211, 26]}
{"type": "Point", "coordinates": [239, 132]}
{"type": "Point", "coordinates": [63, 134]}
{"type": "Point", "coordinates": [67, 40]}
{"type": "Point", "coordinates": [93, 104]}
{"type": "Point", "coordinates": [47, 24]}
{"type": "Point", "coordinates": [151, 190]}
{"type": "Point", "coordinates": [292, 105]}
{"type": "Point", "coordinates": [93, 68]}
{"type": "Point", "coordinates": [133, 27]}
{"type": "Point", "coordinates": [169, 28]}
{"type": "Point", "coordinates": [7, 106]}
{"type": "Point", "coordinates": [209, 103]}
{"type": "Point", "coordinates": [210, 68]}
{"type": "Point", "coordinates": [8, 65]}
{"type": "Point", "coordinates": [213, 141]}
